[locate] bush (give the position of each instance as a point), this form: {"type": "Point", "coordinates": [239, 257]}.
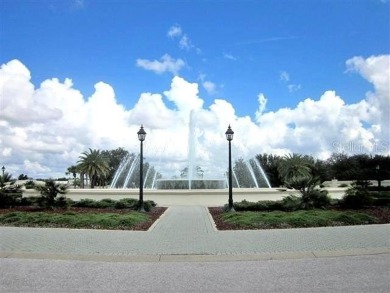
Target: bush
{"type": "Point", "coordinates": [315, 199]}
{"type": "Point", "coordinates": [126, 203]}
{"type": "Point", "coordinates": [29, 184]}
{"type": "Point", "coordinates": [105, 203]}
{"type": "Point", "coordinates": [10, 196]}
{"type": "Point", "coordinates": [148, 205]}
{"type": "Point", "coordinates": [357, 196]}
{"type": "Point", "coordinates": [85, 203]}
{"type": "Point", "coordinates": [29, 201]}
{"type": "Point", "coordinates": [380, 198]}
{"type": "Point", "coordinates": [49, 192]}
{"type": "Point", "coordinates": [263, 205]}
{"type": "Point", "coordinates": [291, 203]}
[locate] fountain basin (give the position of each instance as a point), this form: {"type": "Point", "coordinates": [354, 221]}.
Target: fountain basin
{"type": "Point", "coordinates": [190, 184]}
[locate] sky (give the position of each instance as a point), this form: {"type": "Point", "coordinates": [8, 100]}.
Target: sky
{"type": "Point", "coordinates": [301, 76]}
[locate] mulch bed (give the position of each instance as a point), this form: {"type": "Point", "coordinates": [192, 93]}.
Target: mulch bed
{"type": "Point", "coordinates": [153, 215]}
{"type": "Point", "coordinates": [381, 213]}
{"type": "Point", "coordinates": [216, 213]}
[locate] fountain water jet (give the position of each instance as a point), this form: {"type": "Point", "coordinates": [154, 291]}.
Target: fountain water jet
{"type": "Point", "coordinates": [245, 175]}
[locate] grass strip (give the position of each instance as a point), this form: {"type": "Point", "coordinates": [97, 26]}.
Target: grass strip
{"type": "Point", "coordinates": [74, 220]}
{"type": "Point", "coordinates": [297, 219]}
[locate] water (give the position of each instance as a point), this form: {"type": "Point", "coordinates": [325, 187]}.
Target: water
{"type": "Point", "coordinates": [247, 173]}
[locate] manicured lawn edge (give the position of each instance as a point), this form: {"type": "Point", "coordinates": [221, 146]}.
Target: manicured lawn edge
{"type": "Point", "coordinates": [108, 219]}
{"type": "Point", "coordinates": [245, 220]}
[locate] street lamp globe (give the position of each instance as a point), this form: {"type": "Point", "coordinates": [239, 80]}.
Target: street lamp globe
{"type": "Point", "coordinates": [229, 134]}
{"type": "Point", "coordinates": [141, 134]}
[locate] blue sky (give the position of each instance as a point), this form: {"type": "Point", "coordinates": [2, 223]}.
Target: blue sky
{"type": "Point", "coordinates": [129, 57]}
{"type": "Point", "coordinates": [240, 46]}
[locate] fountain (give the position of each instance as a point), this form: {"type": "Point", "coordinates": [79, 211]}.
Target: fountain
{"type": "Point", "coordinates": [246, 173]}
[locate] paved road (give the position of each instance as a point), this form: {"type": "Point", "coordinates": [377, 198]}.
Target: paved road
{"type": "Point", "coordinates": [368, 273]}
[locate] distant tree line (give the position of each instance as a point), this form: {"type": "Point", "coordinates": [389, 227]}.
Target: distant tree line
{"type": "Point", "coordinates": [339, 166]}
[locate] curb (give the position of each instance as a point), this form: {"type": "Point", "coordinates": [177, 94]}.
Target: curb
{"type": "Point", "coordinates": [198, 257]}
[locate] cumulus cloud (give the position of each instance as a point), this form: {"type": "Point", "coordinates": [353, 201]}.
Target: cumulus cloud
{"type": "Point", "coordinates": [167, 64]}
{"type": "Point", "coordinates": [44, 129]}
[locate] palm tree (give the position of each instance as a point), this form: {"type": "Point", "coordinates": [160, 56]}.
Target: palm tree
{"type": "Point", "coordinates": [6, 177]}
{"type": "Point", "coordinates": [94, 164]}
{"type": "Point", "coordinates": [73, 170]}
{"type": "Point", "coordinates": [294, 168]}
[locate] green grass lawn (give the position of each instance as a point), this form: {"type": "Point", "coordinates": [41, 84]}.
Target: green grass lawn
{"type": "Point", "coordinates": [68, 219]}
{"type": "Point", "coordinates": [297, 219]}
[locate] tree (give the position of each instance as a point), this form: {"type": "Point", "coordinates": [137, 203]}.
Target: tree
{"type": "Point", "coordinates": [115, 158]}
{"type": "Point", "coordinates": [270, 164]}
{"type": "Point", "coordinates": [95, 165]}
{"type": "Point", "coordinates": [73, 170]}
{"type": "Point", "coordinates": [7, 177]}
{"type": "Point", "coordinates": [22, 177]}
{"type": "Point", "coordinates": [298, 172]}
{"type": "Point", "coordinates": [295, 169]}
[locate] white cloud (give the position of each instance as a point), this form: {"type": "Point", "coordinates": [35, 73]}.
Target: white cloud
{"type": "Point", "coordinates": [376, 69]}
{"type": "Point", "coordinates": [184, 95]}
{"type": "Point", "coordinates": [284, 76]}
{"type": "Point", "coordinates": [262, 100]}
{"type": "Point", "coordinates": [209, 86]}
{"type": "Point", "coordinates": [293, 87]}
{"type": "Point", "coordinates": [229, 56]}
{"type": "Point", "coordinates": [78, 4]}
{"type": "Point", "coordinates": [174, 31]}
{"type": "Point", "coordinates": [185, 43]}
{"type": "Point", "coordinates": [167, 64]}
{"type": "Point", "coordinates": [43, 130]}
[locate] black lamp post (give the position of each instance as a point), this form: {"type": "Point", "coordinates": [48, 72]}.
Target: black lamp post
{"type": "Point", "coordinates": [2, 169]}
{"type": "Point", "coordinates": [141, 136]}
{"type": "Point", "coordinates": [229, 136]}
{"type": "Point", "coordinates": [378, 174]}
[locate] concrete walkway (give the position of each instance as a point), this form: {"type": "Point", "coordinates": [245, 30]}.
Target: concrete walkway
{"type": "Point", "coordinates": [187, 233]}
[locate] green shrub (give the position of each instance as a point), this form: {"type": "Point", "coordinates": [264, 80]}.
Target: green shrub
{"type": "Point", "coordinates": [29, 184]}
{"type": "Point", "coordinates": [126, 203]}
{"type": "Point", "coordinates": [291, 203]}
{"type": "Point", "coordinates": [105, 203]}
{"type": "Point", "coordinates": [381, 198]}
{"type": "Point", "coordinates": [263, 205]}
{"type": "Point", "coordinates": [85, 203]}
{"type": "Point", "coordinates": [29, 201]}
{"type": "Point", "coordinates": [10, 196]}
{"type": "Point", "coordinates": [49, 192]}
{"type": "Point", "coordinates": [357, 196]}
{"type": "Point", "coordinates": [148, 205]}
{"type": "Point", "coordinates": [315, 199]}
